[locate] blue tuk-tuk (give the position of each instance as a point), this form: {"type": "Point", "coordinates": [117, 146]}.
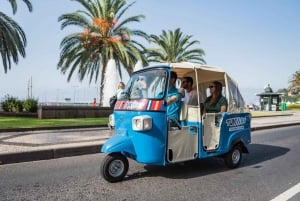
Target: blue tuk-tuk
{"type": "Point", "coordinates": [142, 131]}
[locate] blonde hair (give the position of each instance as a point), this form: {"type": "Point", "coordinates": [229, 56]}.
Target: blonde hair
{"type": "Point", "coordinates": [121, 85]}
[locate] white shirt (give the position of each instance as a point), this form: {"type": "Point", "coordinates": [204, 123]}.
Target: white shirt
{"type": "Point", "coordinates": [190, 97]}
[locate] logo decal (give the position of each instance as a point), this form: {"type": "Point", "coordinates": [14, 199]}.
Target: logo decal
{"type": "Point", "coordinates": [236, 123]}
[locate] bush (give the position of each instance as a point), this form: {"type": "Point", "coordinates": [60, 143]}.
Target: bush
{"type": "Point", "coordinates": [30, 105]}
{"type": "Point", "coordinates": [293, 99]}
{"type": "Point", "coordinates": [293, 106]}
{"type": "Point", "coordinates": [12, 104]}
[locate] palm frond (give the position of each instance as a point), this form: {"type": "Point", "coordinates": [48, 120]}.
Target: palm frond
{"type": "Point", "coordinates": [174, 46]}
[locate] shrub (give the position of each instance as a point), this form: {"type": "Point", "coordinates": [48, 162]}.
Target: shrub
{"type": "Point", "coordinates": [293, 98]}
{"type": "Point", "coordinates": [30, 105]}
{"type": "Point", "coordinates": [12, 104]}
{"type": "Point", "coordinates": [293, 106]}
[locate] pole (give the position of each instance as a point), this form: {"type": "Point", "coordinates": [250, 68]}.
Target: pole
{"type": "Point", "coordinates": [31, 88]}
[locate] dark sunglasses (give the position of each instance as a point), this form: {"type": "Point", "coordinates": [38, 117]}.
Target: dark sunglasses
{"type": "Point", "coordinates": [211, 86]}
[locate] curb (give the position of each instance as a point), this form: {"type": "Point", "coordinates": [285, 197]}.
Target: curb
{"type": "Point", "coordinates": [48, 154]}
{"type": "Point", "coordinates": [274, 126]}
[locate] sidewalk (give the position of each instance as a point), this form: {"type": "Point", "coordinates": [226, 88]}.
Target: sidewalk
{"type": "Point", "coordinates": [48, 144]}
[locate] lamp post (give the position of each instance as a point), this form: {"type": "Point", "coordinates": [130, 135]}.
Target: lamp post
{"type": "Point", "coordinates": [74, 93]}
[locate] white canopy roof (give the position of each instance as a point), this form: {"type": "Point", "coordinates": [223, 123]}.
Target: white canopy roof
{"type": "Point", "coordinates": [203, 75]}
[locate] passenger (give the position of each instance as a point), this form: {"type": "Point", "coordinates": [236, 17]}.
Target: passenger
{"type": "Point", "coordinates": [114, 98]}
{"type": "Point", "coordinates": [112, 102]}
{"type": "Point", "coordinates": [139, 89]}
{"type": "Point", "coordinates": [181, 91]}
{"type": "Point", "coordinates": [121, 87]}
{"type": "Point", "coordinates": [215, 103]}
{"type": "Point", "coordinates": [190, 97]}
{"type": "Point", "coordinates": [173, 100]}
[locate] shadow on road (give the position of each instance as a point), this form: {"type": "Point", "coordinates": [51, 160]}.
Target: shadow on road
{"type": "Point", "coordinates": [258, 153]}
{"type": "Point", "coordinates": [261, 152]}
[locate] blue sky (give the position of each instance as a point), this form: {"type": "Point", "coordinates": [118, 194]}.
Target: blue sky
{"type": "Point", "coordinates": [257, 42]}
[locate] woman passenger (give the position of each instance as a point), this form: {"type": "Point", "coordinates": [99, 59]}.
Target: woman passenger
{"type": "Point", "coordinates": [215, 103]}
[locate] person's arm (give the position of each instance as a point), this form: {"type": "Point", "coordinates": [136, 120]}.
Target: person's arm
{"type": "Point", "coordinates": [223, 108]}
{"type": "Point", "coordinates": [181, 92]}
{"type": "Point", "coordinates": [171, 100]}
{"type": "Point", "coordinates": [224, 105]}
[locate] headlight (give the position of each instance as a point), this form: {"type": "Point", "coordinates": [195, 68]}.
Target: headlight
{"type": "Point", "coordinates": [142, 123]}
{"type": "Point", "coordinates": [111, 120]}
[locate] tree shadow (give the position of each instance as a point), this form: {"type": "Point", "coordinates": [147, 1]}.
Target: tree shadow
{"type": "Point", "coordinates": [258, 153]}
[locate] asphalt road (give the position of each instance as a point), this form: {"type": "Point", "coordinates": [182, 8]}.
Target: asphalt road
{"type": "Point", "coordinates": [271, 168]}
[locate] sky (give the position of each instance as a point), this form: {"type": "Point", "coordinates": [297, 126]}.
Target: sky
{"type": "Point", "coordinates": [256, 42]}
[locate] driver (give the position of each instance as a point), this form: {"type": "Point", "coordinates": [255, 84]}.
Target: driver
{"type": "Point", "coordinates": [173, 100]}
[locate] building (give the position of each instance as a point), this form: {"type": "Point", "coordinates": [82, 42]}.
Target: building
{"type": "Point", "coordinates": [269, 100]}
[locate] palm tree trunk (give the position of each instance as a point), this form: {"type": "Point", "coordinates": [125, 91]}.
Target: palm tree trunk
{"type": "Point", "coordinates": [103, 68]}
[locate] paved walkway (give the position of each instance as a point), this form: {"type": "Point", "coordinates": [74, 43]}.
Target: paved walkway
{"type": "Point", "coordinates": [49, 144]}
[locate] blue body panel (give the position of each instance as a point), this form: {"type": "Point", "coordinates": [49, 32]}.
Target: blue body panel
{"type": "Point", "coordinates": [149, 147]}
{"type": "Point", "coordinates": [235, 128]}
{"type": "Point", "coordinates": [145, 147]}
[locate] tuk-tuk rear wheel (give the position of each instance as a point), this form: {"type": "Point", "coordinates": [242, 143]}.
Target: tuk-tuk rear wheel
{"type": "Point", "coordinates": [233, 158]}
{"type": "Point", "coordinates": [114, 167]}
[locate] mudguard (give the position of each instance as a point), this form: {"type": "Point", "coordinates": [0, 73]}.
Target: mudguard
{"type": "Point", "coordinates": [242, 143]}
{"type": "Point", "coordinates": [119, 144]}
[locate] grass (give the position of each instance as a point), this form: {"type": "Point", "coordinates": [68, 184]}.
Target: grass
{"type": "Point", "coordinates": [290, 109]}
{"type": "Point", "coordinates": [25, 122]}
{"type": "Point", "coordinates": [269, 114]}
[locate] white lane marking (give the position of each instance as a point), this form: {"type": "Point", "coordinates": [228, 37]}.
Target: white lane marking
{"type": "Point", "coordinates": [288, 194]}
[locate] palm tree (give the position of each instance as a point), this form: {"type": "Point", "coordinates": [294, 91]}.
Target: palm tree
{"type": "Point", "coordinates": [12, 37]}
{"type": "Point", "coordinates": [173, 46]}
{"type": "Point", "coordinates": [105, 36]}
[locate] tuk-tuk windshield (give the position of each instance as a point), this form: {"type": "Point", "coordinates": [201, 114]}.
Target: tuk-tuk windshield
{"type": "Point", "coordinates": [149, 84]}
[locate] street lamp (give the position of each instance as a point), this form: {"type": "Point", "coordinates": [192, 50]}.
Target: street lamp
{"type": "Point", "coordinates": [74, 93]}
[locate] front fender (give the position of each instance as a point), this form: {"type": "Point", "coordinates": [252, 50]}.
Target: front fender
{"type": "Point", "coordinates": [119, 144]}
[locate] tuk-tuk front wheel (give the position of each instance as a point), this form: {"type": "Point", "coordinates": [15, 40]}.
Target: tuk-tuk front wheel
{"type": "Point", "coordinates": [234, 157]}
{"type": "Point", "coordinates": [114, 167]}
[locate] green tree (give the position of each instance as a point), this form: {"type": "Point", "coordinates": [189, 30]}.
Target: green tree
{"type": "Point", "coordinates": [295, 82]}
{"type": "Point", "coordinates": [12, 37]}
{"type": "Point", "coordinates": [105, 36]}
{"type": "Point", "coordinates": [174, 46]}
